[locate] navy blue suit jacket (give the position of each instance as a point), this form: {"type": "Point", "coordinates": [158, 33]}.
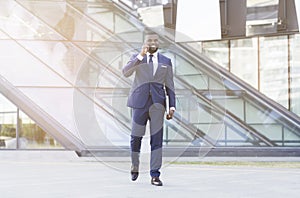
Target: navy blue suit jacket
{"type": "Point", "coordinates": [145, 83]}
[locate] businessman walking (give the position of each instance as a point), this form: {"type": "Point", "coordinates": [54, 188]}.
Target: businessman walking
{"type": "Point", "coordinates": [153, 79]}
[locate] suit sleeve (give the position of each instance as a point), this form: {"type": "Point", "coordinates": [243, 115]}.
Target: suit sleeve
{"type": "Point", "coordinates": [131, 66]}
{"type": "Point", "coordinates": [170, 85]}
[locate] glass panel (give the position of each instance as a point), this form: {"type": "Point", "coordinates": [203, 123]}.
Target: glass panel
{"type": "Point", "coordinates": [291, 138]}
{"type": "Point", "coordinates": [218, 52]}
{"type": "Point", "coordinates": [174, 137]}
{"type": "Point", "coordinates": [272, 131]}
{"type": "Point", "coordinates": [244, 60]}
{"type": "Point", "coordinates": [31, 136]}
{"type": "Point", "coordinates": [239, 139]}
{"type": "Point", "coordinates": [183, 67]}
{"type": "Point", "coordinates": [8, 124]}
{"type": "Point", "coordinates": [33, 73]}
{"type": "Point", "coordinates": [69, 23]}
{"type": "Point", "coordinates": [56, 102]}
{"type": "Point", "coordinates": [21, 24]}
{"type": "Point", "coordinates": [8, 127]}
{"type": "Point", "coordinates": [274, 68]}
{"type": "Point", "coordinates": [256, 115]}
{"type": "Point", "coordinates": [62, 57]}
{"type": "Point", "coordinates": [295, 74]}
{"type": "Point", "coordinates": [234, 105]}
{"type": "Point", "coordinates": [197, 81]}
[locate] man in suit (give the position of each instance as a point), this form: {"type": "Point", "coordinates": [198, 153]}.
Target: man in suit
{"type": "Point", "coordinates": [153, 79]}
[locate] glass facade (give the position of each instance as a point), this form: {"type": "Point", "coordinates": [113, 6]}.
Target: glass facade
{"type": "Point", "coordinates": [268, 64]}
{"type": "Point", "coordinates": [68, 78]}
{"type": "Point", "coordinates": [294, 63]}
{"type": "Point", "coordinates": [18, 131]}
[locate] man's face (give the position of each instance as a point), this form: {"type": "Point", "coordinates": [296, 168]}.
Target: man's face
{"type": "Point", "coordinates": [152, 41]}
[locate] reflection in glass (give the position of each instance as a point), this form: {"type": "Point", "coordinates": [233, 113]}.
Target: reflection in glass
{"type": "Point", "coordinates": [33, 73]}
{"type": "Point", "coordinates": [274, 68]}
{"type": "Point", "coordinates": [217, 51]}
{"type": "Point", "coordinates": [31, 136]}
{"type": "Point", "coordinates": [20, 24]}
{"type": "Point", "coordinates": [295, 74]}
{"type": "Point", "coordinates": [18, 131]}
{"type": "Point", "coordinates": [244, 60]}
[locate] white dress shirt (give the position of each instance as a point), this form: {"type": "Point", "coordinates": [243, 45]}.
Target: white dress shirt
{"type": "Point", "coordinates": [154, 59]}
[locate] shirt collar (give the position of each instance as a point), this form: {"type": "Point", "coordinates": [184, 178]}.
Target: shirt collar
{"type": "Point", "coordinates": [154, 54]}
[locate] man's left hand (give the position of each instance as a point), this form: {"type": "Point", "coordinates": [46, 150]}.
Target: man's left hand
{"type": "Point", "coordinates": [170, 115]}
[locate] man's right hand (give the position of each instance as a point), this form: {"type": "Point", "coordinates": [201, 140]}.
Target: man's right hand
{"type": "Point", "coordinates": [144, 50]}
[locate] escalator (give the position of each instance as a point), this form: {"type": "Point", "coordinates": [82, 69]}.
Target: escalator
{"type": "Point", "coordinates": [233, 90]}
{"type": "Point", "coordinates": [87, 102]}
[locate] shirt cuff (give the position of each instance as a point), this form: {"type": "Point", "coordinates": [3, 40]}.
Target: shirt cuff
{"type": "Point", "coordinates": [172, 108]}
{"type": "Point", "coordinates": [140, 57]}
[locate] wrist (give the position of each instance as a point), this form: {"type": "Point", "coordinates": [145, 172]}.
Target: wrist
{"type": "Point", "coordinates": [172, 109]}
{"type": "Point", "coordinates": [140, 57]}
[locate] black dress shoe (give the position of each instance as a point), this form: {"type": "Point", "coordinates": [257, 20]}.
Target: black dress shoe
{"type": "Point", "coordinates": [134, 173]}
{"type": "Point", "coordinates": [156, 181]}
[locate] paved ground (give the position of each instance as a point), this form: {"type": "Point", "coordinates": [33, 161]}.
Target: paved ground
{"type": "Point", "coordinates": [62, 174]}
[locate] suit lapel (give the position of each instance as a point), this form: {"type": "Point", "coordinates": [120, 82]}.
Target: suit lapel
{"type": "Point", "coordinates": [159, 64]}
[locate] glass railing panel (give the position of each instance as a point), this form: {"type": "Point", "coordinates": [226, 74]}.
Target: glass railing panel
{"type": "Point", "coordinates": [132, 37]}
{"type": "Point", "coordinates": [256, 115]}
{"type": "Point", "coordinates": [33, 137]}
{"type": "Point", "coordinates": [35, 73]}
{"type": "Point", "coordinates": [174, 135]}
{"type": "Point", "coordinates": [106, 16]}
{"type": "Point", "coordinates": [196, 81]}
{"type": "Point", "coordinates": [65, 20]}
{"type": "Point", "coordinates": [215, 130]}
{"type": "Point", "coordinates": [62, 57]}
{"type": "Point", "coordinates": [56, 102]}
{"type": "Point", "coordinates": [234, 105]}
{"type": "Point", "coordinates": [112, 55]}
{"type": "Point", "coordinates": [272, 131]}
{"type": "Point", "coordinates": [291, 137]}
{"type": "Point", "coordinates": [18, 23]}
{"type": "Point", "coordinates": [187, 108]}
{"type": "Point", "coordinates": [235, 139]}
{"type": "Point", "coordinates": [216, 83]}
{"type": "Point", "coordinates": [106, 130]}
{"type": "Point", "coordinates": [103, 15]}
{"type": "Point", "coordinates": [8, 123]}
{"type": "Point", "coordinates": [183, 67]}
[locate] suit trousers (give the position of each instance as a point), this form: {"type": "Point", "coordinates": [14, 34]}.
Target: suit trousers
{"type": "Point", "coordinates": [155, 114]}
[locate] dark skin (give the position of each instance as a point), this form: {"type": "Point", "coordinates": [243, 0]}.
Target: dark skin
{"type": "Point", "coordinates": [151, 41]}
